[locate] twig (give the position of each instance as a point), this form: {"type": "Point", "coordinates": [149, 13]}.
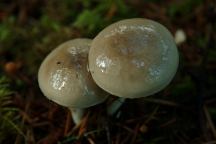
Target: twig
{"type": "Point", "coordinates": [108, 134]}
{"type": "Point", "coordinates": [28, 103]}
{"type": "Point", "coordinates": [162, 102]}
{"type": "Point", "coordinates": [135, 134]}
{"type": "Point", "coordinates": [181, 139]}
{"type": "Point", "coordinates": [168, 122]}
{"type": "Point", "coordinates": [125, 127]}
{"type": "Point", "coordinates": [209, 120]}
{"type": "Point", "coordinates": [90, 141]}
{"type": "Point", "coordinates": [14, 126]}
{"type": "Point", "coordinates": [210, 142]}
{"type": "Point", "coordinates": [67, 123]}
{"type": "Point", "coordinates": [151, 115]}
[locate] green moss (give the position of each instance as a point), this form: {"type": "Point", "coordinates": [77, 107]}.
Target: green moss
{"type": "Point", "coordinates": [8, 115]}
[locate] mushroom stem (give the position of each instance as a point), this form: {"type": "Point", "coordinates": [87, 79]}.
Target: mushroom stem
{"type": "Point", "coordinates": [77, 114]}
{"type": "Point", "coordinates": [114, 106]}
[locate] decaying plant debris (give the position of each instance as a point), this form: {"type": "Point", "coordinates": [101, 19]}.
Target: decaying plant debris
{"type": "Point", "coordinates": [183, 113]}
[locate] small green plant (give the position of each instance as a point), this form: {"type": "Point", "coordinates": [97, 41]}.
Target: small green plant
{"type": "Point", "coordinates": [94, 18]}
{"type": "Point", "coordinates": [8, 115]}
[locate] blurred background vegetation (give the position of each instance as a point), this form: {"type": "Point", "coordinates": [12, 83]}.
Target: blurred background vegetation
{"type": "Point", "coordinates": [183, 113]}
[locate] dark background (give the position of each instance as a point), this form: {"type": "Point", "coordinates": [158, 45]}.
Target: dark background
{"type": "Point", "coordinates": [183, 113]}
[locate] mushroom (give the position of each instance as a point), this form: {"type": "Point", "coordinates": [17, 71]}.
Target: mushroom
{"type": "Point", "coordinates": [133, 58]}
{"type": "Point", "coordinates": [64, 78]}
{"type": "Point", "coordinates": [180, 37]}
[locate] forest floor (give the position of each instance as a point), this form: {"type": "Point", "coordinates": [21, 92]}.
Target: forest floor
{"type": "Point", "coordinates": [183, 113]}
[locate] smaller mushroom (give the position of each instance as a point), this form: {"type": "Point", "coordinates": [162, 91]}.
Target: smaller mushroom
{"type": "Point", "coordinates": [180, 37]}
{"type": "Point", "coordinates": [64, 78]}
{"type": "Point", "coordinates": [133, 58]}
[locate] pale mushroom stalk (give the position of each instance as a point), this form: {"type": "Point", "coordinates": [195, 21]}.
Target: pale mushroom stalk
{"type": "Point", "coordinates": [63, 77]}
{"type": "Point", "coordinates": [133, 58]}
{"type": "Point", "coordinates": [77, 114]}
{"type": "Point", "coordinates": [115, 105]}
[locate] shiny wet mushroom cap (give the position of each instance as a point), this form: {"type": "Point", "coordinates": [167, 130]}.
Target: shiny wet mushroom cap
{"type": "Point", "coordinates": [133, 58]}
{"type": "Point", "coordinates": [64, 77]}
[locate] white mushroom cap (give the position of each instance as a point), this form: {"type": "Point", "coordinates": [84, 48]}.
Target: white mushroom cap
{"type": "Point", "coordinates": [133, 58]}
{"type": "Point", "coordinates": [64, 77]}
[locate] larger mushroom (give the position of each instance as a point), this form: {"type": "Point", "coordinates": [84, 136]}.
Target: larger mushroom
{"type": "Point", "coordinates": [64, 78]}
{"type": "Point", "coordinates": [133, 58]}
